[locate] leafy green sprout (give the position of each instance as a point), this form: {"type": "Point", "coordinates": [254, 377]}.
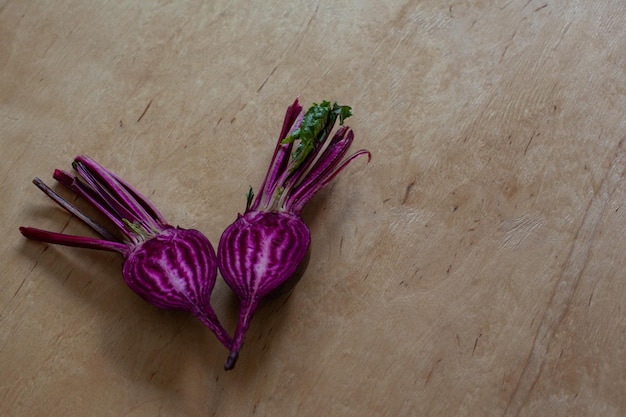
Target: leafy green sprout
{"type": "Point", "coordinates": [314, 129]}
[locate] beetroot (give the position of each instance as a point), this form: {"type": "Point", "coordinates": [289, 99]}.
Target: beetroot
{"type": "Point", "coordinates": [170, 267]}
{"type": "Point", "coordinates": [264, 246]}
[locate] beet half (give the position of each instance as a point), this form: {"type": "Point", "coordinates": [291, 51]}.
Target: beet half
{"type": "Point", "coordinates": [170, 267]}
{"type": "Point", "coordinates": [263, 248]}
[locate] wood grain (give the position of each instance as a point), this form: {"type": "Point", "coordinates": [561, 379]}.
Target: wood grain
{"type": "Point", "coordinates": [473, 267]}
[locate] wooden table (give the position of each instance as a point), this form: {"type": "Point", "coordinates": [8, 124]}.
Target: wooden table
{"type": "Point", "coordinates": [475, 267]}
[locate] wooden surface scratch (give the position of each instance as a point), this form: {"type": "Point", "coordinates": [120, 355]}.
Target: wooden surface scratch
{"type": "Point", "coordinates": [568, 280]}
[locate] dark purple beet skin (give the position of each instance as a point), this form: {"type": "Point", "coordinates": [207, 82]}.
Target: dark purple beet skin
{"type": "Point", "coordinates": [263, 248]}
{"type": "Point", "coordinates": [169, 267]}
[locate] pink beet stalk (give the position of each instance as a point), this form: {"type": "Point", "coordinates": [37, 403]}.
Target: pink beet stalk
{"type": "Point", "coordinates": [263, 248]}
{"type": "Point", "coordinates": [170, 267]}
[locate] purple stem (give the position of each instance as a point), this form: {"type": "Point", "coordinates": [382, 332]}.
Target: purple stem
{"type": "Point", "coordinates": [94, 198]}
{"type": "Point", "coordinates": [331, 156]}
{"type": "Point", "coordinates": [115, 195]}
{"type": "Point", "coordinates": [246, 311]}
{"type": "Point", "coordinates": [209, 318]}
{"type": "Point", "coordinates": [136, 201]}
{"type": "Point", "coordinates": [280, 159]}
{"type": "Point", "coordinates": [73, 210]}
{"type": "Point", "coordinates": [149, 208]}
{"type": "Point", "coordinates": [75, 241]}
{"type": "Point", "coordinates": [291, 179]}
{"type": "Point", "coordinates": [297, 206]}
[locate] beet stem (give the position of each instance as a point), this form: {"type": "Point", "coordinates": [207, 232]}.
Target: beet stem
{"type": "Point", "coordinates": [211, 321]}
{"type": "Point", "coordinates": [246, 311]}
{"type": "Point", "coordinates": [70, 240]}
{"type": "Point", "coordinates": [73, 210]}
